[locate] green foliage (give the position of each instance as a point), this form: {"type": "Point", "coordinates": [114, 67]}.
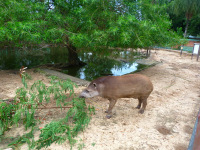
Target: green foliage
{"type": "Point", "coordinates": [19, 108]}
{"type": "Point", "coordinates": [194, 28]}
{"type": "Point", "coordinates": [25, 104]}
{"type": "Point", "coordinates": [179, 31]}
{"type": "Point", "coordinates": [187, 7]}
{"type": "Point", "coordinates": [177, 21]}
{"type": "Point", "coordinates": [85, 23]}
{"type": "Point", "coordinates": [81, 146]}
{"type": "Point", "coordinates": [26, 138]}
{"type": "Point", "coordinates": [67, 128]}
{"type": "Point", "coordinates": [6, 116]}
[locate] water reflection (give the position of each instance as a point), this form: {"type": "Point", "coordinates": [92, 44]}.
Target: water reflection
{"type": "Point", "coordinates": [127, 68]}
{"type": "Point", "coordinates": [122, 62]}
{"type": "Point", "coordinates": [116, 71]}
{"type": "Point", "coordinates": [99, 65]}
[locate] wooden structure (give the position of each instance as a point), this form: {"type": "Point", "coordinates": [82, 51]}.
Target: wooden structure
{"type": "Point", "coordinates": [196, 50]}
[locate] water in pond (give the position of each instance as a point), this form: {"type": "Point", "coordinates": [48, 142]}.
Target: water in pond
{"type": "Point", "coordinates": [122, 62]}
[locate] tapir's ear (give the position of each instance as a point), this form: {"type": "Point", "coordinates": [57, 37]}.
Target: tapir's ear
{"type": "Point", "coordinates": [95, 85]}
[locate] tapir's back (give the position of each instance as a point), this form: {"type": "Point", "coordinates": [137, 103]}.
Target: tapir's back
{"type": "Point", "coordinates": [132, 85]}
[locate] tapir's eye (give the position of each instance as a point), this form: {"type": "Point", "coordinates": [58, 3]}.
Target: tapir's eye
{"type": "Point", "coordinates": [94, 84]}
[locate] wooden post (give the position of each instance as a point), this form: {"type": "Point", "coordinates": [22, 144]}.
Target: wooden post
{"type": "Point", "coordinates": [192, 52]}
{"type": "Point", "coordinates": [181, 50]}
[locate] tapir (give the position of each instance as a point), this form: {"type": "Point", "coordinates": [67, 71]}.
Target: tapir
{"type": "Point", "coordinates": [114, 87]}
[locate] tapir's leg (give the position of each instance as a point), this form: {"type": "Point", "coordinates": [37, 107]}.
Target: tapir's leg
{"type": "Point", "coordinates": [111, 105]}
{"type": "Point", "coordinates": [139, 103]}
{"type": "Point", "coordinates": [144, 104]}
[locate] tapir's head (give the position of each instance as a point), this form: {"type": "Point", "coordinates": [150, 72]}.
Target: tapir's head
{"type": "Point", "coordinates": [90, 91]}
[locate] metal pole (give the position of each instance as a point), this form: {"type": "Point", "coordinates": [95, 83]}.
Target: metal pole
{"type": "Point", "coordinates": [194, 133]}
{"type": "Point", "coordinates": [198, 53]}
{"type": "Point", "coordinates": [193, 51]}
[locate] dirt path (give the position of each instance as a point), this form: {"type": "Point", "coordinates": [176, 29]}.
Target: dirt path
{"type": "Point", "coordinates": [166, 124]}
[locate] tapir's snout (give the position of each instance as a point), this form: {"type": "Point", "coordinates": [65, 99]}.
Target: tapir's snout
{"type": "Point", "coordinates": [81, 96]}
{"type": "Point", "coordinates": [88, 93]}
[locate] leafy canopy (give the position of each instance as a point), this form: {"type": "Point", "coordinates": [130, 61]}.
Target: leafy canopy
{"type": "Point", "coordinates": [187, 7]}
{"type": "Point", "coordinates": [85, 23]}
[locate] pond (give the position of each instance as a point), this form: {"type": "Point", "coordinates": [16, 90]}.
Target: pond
{"type": "Point", "coordinates": [116, 63]}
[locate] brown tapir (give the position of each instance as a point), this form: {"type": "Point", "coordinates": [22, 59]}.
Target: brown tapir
{"type": "Point", "coordinates": [114, 87]}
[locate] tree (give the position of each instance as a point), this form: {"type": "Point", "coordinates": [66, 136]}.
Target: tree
{"type": "Point", "coordinates": [90, 24]}
{"type": "Point", "coordinates": [187, 7]}
{"type": "Point", "coordinates": [194, 28]}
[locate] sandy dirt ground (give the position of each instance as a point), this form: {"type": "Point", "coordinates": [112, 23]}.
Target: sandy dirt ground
{"type": "Point", "coordinates": [167, 123]}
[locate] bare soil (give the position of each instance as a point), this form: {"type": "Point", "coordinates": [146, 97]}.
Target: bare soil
{"type": "Point", "coordinates": [166, 124]}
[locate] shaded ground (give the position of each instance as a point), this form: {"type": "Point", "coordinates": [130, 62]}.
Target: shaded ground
{"type": "Point", "coordinates": [166, 124]}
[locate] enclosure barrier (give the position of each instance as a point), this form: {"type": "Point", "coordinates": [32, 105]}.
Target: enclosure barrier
{"type": "Point", "coordinates": [195, 138]}
{"type": "Point", "coordinates": [196, 50]}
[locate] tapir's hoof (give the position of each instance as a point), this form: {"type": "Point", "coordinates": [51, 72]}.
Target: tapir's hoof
{"type": "Point", "coordinates": [138, 107]}
{"type": "Point", "coordinates": [108, 116]}
{"type": "Point", "coordinates": [141, 111]}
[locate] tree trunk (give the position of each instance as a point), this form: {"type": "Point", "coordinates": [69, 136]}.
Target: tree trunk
{"type": "Point", "coordinates": [186, 27]}
{"type": "Point", "coordinates": [73, 59]}
{"type": "Point", "coordinates": [188, 18]}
